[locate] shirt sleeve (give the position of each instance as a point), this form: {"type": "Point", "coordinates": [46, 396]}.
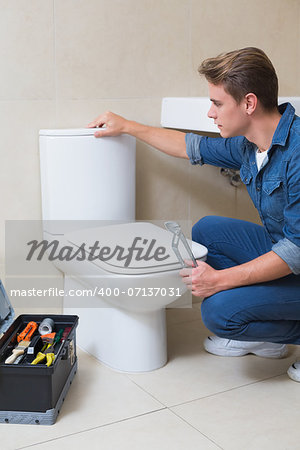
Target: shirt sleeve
{"type": "Point", "coordinates": [218, 152]}
{"type": "Point", "coordinates": [290, 253]}
{"type": "Point", "coordinates": [288, 248]}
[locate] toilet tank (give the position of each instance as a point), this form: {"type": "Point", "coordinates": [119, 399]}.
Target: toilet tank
{"type": "Point", "coordinates": [87, 178]}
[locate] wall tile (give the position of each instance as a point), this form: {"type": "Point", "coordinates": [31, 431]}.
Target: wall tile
{"type": "Point", "coordinates": [78, 113]}
{"type": "Point", "coordinates": [162, 186]}
{"type": "Point", "coordinates": [26, 49]}
{"type": "Point", "coordinates": [112, 48]}
{"type": "Point", "coordinates": [19, 169]}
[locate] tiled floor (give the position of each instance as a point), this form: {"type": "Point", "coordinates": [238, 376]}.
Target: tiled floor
{"type": "Point", "coordinates": [197, 401]}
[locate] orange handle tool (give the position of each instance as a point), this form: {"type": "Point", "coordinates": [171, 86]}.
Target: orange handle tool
{"type": "Point", "coordinates": [27, 332]}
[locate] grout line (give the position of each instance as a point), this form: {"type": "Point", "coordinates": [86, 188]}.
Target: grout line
{"type": "Point", "coordinates": [146, 392]}
{"type": "Point", "coordinates": [228, 390]}
{"type": "Point", "coordinates": [84, 99]}
{"type": "Point", "coordinates": [54, 61]}
{"type": "Point", "coordinates": [190, 37]}
{"type": "Point", "coordinates": [91, 429]}
{"type": "Point", "coordinates": [189, 212]}
{"type": "Point", "coordinates": [196, 429]}
{"type": "Point", "coordinates": [298, 67]}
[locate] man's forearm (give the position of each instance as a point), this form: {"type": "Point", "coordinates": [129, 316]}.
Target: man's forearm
{"type": "Point", "coordinates": [267, 267]}
{"type": "Point", "coordinates": [171, 142]}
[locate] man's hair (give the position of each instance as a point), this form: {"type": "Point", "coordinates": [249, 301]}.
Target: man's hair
{"type": "Point", "coordinates": [244, 71]}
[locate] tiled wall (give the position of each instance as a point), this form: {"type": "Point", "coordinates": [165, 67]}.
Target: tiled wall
{"type": "Point", "coordinates": [65, 61]}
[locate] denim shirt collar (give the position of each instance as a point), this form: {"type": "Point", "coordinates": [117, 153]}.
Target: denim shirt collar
{"type": "Point", "coordinates": [281, 134]}
{"type": "Point", "coordinates": [287, 112]}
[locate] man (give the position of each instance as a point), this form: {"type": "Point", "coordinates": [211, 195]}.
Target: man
{"type": "Point", "coordinates": [250, 281]}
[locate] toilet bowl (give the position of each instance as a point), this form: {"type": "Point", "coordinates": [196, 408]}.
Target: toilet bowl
{"type": "Point", "coordinates": [119, 284]}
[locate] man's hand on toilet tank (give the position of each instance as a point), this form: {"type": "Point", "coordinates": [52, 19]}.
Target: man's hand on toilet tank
{"type": "Point", "coordinates": [114, 125]}
{"type": "Point", "coordinates": [203, 280]}
{"type": "Point", "coordinates": [171, 142]}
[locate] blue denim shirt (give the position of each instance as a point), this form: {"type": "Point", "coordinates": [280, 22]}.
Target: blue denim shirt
{"type": "Point", "coordinates": [274, 189]}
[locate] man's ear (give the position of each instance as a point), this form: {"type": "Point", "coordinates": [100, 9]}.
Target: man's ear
{"type": "Point", "coordinates": [250, 103]}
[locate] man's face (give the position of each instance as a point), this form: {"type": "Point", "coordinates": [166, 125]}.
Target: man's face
{"type": "Point", "coordinates": [230, 117]}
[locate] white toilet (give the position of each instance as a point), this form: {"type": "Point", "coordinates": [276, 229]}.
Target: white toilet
{"type": "Point", "coordinates": [121, 296]}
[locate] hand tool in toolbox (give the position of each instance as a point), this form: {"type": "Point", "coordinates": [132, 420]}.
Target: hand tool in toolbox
{"type": "Point", "coordinates": [23, 342]}
{"type": "Point", "coordinates": [48, 337]}
{"type": "Point", "coordinates": [66, 331]}
{"type": "Point", "coordinates": [35, 346]}
{"type": "Point", "coordinates": [45, 353]}
{"type": "Point", "coordinates": [27, 332]}
{"type": "Point", "coordinates": [19, 350]}
{"type": "Point", "coordinates": [48, 351]}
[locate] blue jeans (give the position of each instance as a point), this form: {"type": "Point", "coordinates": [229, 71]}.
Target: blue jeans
{"type": "Point", "coordinates": [267, 311]}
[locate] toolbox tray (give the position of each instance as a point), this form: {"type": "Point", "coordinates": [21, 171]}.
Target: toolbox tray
{"type": "Point", "coordinates": [34, 393]}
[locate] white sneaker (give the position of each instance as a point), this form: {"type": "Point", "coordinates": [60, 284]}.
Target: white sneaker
{"type": "Point", "coordinates": [294, 371]}
{"type": "Point", "coordinates": [228, 347]}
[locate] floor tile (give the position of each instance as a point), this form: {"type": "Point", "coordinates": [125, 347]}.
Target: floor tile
{"type": "Point", "coordinates": [160, 430]}
{"type": "Point", "coordinates": [262, 416]}
{"type": "Point", "coordinates": [98, 396]}
{"type": "Point", "coordinates": [192, 373]}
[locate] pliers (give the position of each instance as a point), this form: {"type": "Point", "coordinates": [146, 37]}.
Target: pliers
{"type": "Point", "coordinates": [47, 353]}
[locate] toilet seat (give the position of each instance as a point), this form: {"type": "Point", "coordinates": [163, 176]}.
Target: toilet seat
{"type": "Point", "coordinates": [125, 304]}
{"type": "Point", "coordinates": [152, 250]}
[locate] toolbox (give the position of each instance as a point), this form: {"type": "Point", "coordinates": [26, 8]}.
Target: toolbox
{"type": "Point", "coordinates": [32, 392]}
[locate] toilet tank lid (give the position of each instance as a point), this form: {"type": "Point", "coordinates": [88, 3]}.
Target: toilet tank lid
{"type": "Point", "coordinates": [148, 237]}
{"type": "Point", "coordinates": [69, 132]}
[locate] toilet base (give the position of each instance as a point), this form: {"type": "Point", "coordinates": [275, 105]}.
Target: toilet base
{"type": "Point", "coordinates": [125, 341]}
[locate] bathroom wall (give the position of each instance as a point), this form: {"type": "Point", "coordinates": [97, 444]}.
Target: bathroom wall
{"type": "Point", "coordinates": [65, 61]}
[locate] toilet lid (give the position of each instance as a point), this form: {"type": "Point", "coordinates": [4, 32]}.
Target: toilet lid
{"type": "Point", "coordinates": [132, 248]}
{"type": "Point", "coordinates": [68, 132]}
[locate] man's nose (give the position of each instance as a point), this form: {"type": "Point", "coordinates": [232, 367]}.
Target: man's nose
{"type": "Point", "coordinates": [211, 113]}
